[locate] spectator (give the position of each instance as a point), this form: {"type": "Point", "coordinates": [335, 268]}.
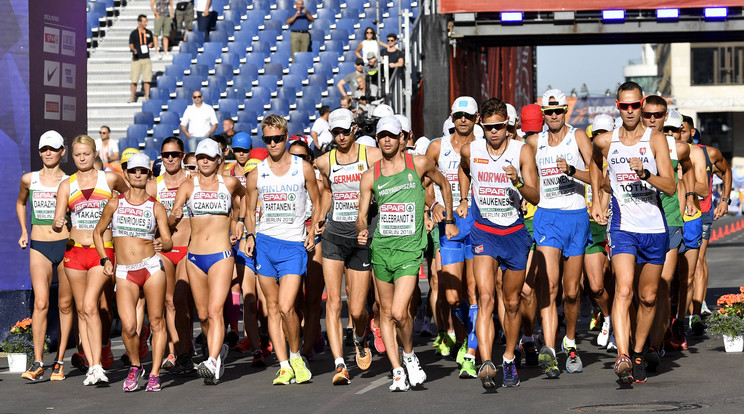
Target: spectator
{"type": "Point", "coordinates": [199, 121]}
{"type": "Point", "coordinates": [345, 102]}
{"type": "Point", "coordinates": [184, 16]}
{"type": "Point", "coordinates": [220, 139]}
{"type": "Point", "coordinates": [299, 23]}
{"type": "Point", "coordinates": [163, 10]}
{"type": "Point", "coordinates": [395, 55]}
{"type": "Point", "coordinates": [321, 132]}
{"type": "Point", "coordinates": [368, 45]}
{"type": "Point", "coordinates": [140, 42]}
{"type": "Point", "coordinates": [206, 17]}
{"type": "Point", "coordinates": [371, 70]}
{"type": "Point", "coordinates": [228, 126]}
{"type": "Point", "coordinates": [108, 149]}
{"type": "Point", "coordinates": [350, 79]}
{"type": "Point", "coordinates": [189, 162]}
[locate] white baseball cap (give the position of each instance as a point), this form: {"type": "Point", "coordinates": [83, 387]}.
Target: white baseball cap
{"type": "Point", "coordinates": [674, 119]}
{"type": "Point", "coordinates": [511, 112]}
{"type": "Point", "coordinates": [422, 144]}
{"type": "Point", "coordinates": [340, 118]}
{"type": "Point", "coordinates": [366, 140]}
{"type": "Point", "coordinates": [559, 99]}
{"type": "Point", "coordinates": [52, 139]}
{"type": "Point", "coordinates": [138, 160]}
{"type": "Point", "coordinates": [209, 147]}
{"type": "Point", "coordinates": [603, 122]}
{"type": "Point", "coordinates": [465, 104]}
{"type": "Point", "coordinates": [448, 124]}
{"type": "Point", "coordinates": [383, 110]}
{"type": "Point", "coordinates": [405, 124]}
{"type": "Point", "coordinates": [388, 124]}
{"type": "Point", "coordinates": [618, 122]}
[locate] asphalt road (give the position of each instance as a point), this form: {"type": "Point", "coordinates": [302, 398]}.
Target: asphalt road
{"type": "Point", "coordinates": [702, 379]}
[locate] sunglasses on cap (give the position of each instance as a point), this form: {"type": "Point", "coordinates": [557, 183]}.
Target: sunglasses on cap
{"type": "Point", "coordinates": [141, 170]}
{"type": "Point", "coordinates": [460, 115]}
{"type": "Point", "coordinates": [171, 154]}
{"type": "Point", "coordinates": [496, 125]}
{"type": "Point", "coordinates": [657, 115]}
{"type": "Point", "coordinates": [339, 131]}
{"type": "Point", "coordinates": [550, 111]}
{"type": "Point", "coordinates": [191, 167]}
{"type": "Point", "coordinates": [273, 138]}
{"type": "Point", "coordinates": [625, 105]}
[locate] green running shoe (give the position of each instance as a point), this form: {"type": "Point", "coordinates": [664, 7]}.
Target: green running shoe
{"type": "Point", "coordinates": [462, 352]}
{"type": "Point", "coordinates": [548, 362]}
{"type": "Point", "coordinates": [301, 373]}
{"type": "Point", "coordinates": [468, 369]}
{"type": "Point", "coordinates": [284, 376]}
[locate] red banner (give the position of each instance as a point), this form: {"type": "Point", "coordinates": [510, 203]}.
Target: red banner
{"type": "Point", "coordinates": [459, 6]}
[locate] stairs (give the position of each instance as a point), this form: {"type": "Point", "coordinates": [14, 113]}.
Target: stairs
{"type": "Point", "coordinates": [108, 73]}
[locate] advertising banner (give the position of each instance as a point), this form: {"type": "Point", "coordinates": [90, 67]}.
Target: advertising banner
{"type": "Point", "coordinates": [459, 6]}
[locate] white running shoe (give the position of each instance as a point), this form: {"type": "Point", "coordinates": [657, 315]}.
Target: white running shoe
{"type": "Point", "coordinates": [604, 334]}
{"type": "Point", "coordinates": [611, 345]}
{"type": "Point", "coordinates": [100, 376]}
{"type": "Point", "coordinates": [399, 380]}
{"type": "Point", "coordinates": [416, 375]}
{"type": "Point", "coordinates": [221, 362]}
{"type": "Point", "coordinates": [704, 311]}
{"type": "Point", "coordinates": [90, 377]}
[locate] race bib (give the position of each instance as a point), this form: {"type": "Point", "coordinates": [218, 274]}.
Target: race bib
{"type": "Point", "coordinates": [633, 190]}
{"type": "Point", "coordinates": [44, 204]}
{"type": "Point", "coordinates": [495, 203]}
{"type": "Point", "coordinates": [278, 208]}
{"type": "Point", "coordinates": [345, 206]}
{"type": "Point", "coordinates": [397, 219]}
{"type": "Point", "coordinates": [555, 183]}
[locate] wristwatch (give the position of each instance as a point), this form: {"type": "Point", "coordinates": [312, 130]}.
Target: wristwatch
{"type": "Point", "coordinates": [104, 260]}
{"type": "Point", "coordinates": [726, 200]}
{"type": "Point", "coordinates": [448, 221]}
{"type": "Point", "coordinates": [519, 184]}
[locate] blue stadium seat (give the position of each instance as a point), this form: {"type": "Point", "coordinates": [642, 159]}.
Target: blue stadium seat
{"type": "Point", "coordinates": [188, 48]}
{"type": "Point", "coordinates": [282, 55]}
{"type": "Point", "coordinates": [330, 57]}
{"type": "Point", "coordinates": [299, 116]}
{"type": "Point", "coordinates": [334, 95]}
{"type": "Point", "coordinates": [152, 106]}
{"type": "Point", "coordinates": [213, 49]}
{"type": "Point", "coordinates": [350, 12]}
{"type": "Point", "coordinates": [332, 4]}
{"type": "Point", "coordinates": [176, 72]}
{"type": "Point", "coordinates": [317, 35]}
{"type": "Point", "coordinates": [245, 34]}
{"type": "Point", "coordinates": [181, 60]}
{"type": "Point", "coordinates": [298, 70]}
{"type": "Point", "coordinates": [166, 82]}
{"type": "Point", "coordinates": [261, 46]}
{"type": "Point", "coordinates": [273, 69]}
{"type": "Point", "coordinates": [346, 67]}
{"type": "Point", "coordinates": [238, 47]}
{"type": "Point", "coordinates": [287, 93]}
{"type": "Point", "coordinates": [244, 127]}
{"type": "Point", "coordinates": [231, 16]}
{"type": "Point", "coordinates": [206, 60]}
{"type": "Point", "coordinates": [257, 142]}
{"type": "Point", "coordinates": [341, 35]}
{"type": "Point", "coordinates": [306, 104]}
{"type": "Point", "coordinates": [136, 132]}
{"type": "Point", "coordinates": [281, 15]}
{"type": "Point", "coordinates": [325, 68]}
{"type": "Point", "coordinates": [221, 116]}
{"type": "Point", "coordinates": [144, 118]}
{"type": "Point", "coordinates": [160, 94]}
{"type": "Point", "coordinates": [279, 106]}
{"type": "Point", "coordinates": [210, 95]}
{"type": "Point", "coordinates": [178, 106]}
{"type": "Point", "coordinates": [243, 81]}
{"type": "Point", "coordinates": [218, 82]}
{"type": "Point", "coordinates": [227, 26]}
{"type": "Point", "coordinates": [254, 105]}
{"type": "Point", "coordinates": [229, 105]}
{"type": "Point", "coordinates": [318, 79]}
{"type": "Point", "coordinates": [232, 59]}
{"type": "Point", "coordinates": [225, 70]}
{"type": "Point", "coordinates": [219, 5]}
{"type": "Point", "coordinates": [260, 94]}
{"type": "Point", "coordinates": [268, 82]}
{"type": "Point", "coordinates": [236, 92]}
{"type": "Point", "coordinates": [202, 71]}
{"type": "Point", "coordinates": [163, 130]}
{"type": "Point", "coordinates": [196, 37]}
{"type": "Point", "coordinates": [285, 4]}
{"type": "Point", "coordinates": [303, 59]}
{"type": "Point", "coordinates": [326, 14]}
{"type": "Point", "coordinates": [185, 93]}
{"type": "Point", "coordinates": [346, 24]}
{"type": "Point", "coordinates": [153, 144]}
{"type": "Point", "coordinates": [169, 118]}
{"type": "Point", "coordinates": [271, 25]}
{"type": "Point", "coordinates": [192, 81]}
{"type": "Point", "coordinates": [249, 117]}
{"type": "Point", "coordinates": [292, 81]}
{"type": "Point", "coordinates": [219, 37]}
{"type": "Point", "coordinates": [334, 46]}
{"type": "Point", "coordinates": [261, 4]}
{"type": "Point", "coordinates": [323, 24]}
{"type": "Point", "coordinates": [359, 4]}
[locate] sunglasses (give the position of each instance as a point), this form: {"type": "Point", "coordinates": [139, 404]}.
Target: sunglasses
{"type": "Point", "coordinates": [305, 157]}
{"type": "Point", "coordinates": [103, 132]}
{"type": "Point", "coordinates": [171, 154]}
{"type": "Point", "coordinates": [625, 105]}
{"type": "Point", "coordinates": [191, 167]}
{"type": "Point", "coordinates": [338, 131]}
{"type": "Point", "coordinates": [48, 148]}
{"type": "Point", "coordinates": [657, 115]}
{"type": "Point", "coordinates": [369, 32]}
{"type": "Point", "coordinates": [460, 115]}
{"type": "Point", "coordinates": [141, 170]}
{"type": "Point", "coordinates": [241, 150]}
{"type": "Point", "coordinates": [550, 111]}
{"type": "Point", "coordinates": [197, 97]}
{"type": "Point", "coordinates": [274, 138]}
{"type": "Point", "coordinates": [496, 125]}
{"type": "Point", "coordinates": [672, 129]}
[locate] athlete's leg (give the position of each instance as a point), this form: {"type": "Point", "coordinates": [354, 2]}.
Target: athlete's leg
{"type": "Point", "coordinates": [66, 317]}
{"type": "Point", "coordinates": [548, 265]}
{"type": "Point", "coordinates": [687, 268]}
{"type": "Point", "coordinates": [170, 307]}
{"type": "Point", "coordinates": [183, 304]}
{"type": "Point", "coordinates": [572, 293]}
{"type": "Point", "coordinates": [663, 306]}
{"type": "Point", "coordinates": [312, 309]}
{"type": "Point", "coordinates": [513, 280]}
{"type": "Point", "coordinates": [648, 284]}
{"type": "Point", "coordinates": [218, 282]}
{"type": "Point", "coordinates": [332, 272]}
{"type": "Point", "coordinates": [154, 289]}
{"type": "Point", "coordinates": [701, 273]}
{"type": "Point", "coordinates": [232, 303]}
{"type": "Point", "coordinates": [528, 305]}
{"type": "Point", "coordinates": [78, 281]}
{"type": "Point", "coordinates": [41, 280]}
{"type": "Point", "coordinates": [594, 267]}
{"type": "Point", "coordinates": [289, 286]}
{"type": "Point", "coordinates": [106, 308]}
{"type": "Point", "coordinates": [485, 278]}
{"type": "Point", "coordinates": [94, 292]}
{"type": "Point", "coordinates": [403, 292]}
{"type": "Point", "coordinates": [127, 295]}
{"type": "Point", "coordinates": [623, 265]}
{"type": "Point", "coordinates": [250, 304]}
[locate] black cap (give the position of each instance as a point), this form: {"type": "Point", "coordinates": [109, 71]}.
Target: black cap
{"type": "Point", "coordinates": [359, 61]}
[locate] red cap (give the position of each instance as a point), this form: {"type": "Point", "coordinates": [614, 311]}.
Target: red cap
{"type": "Point", "coordinates": [259, 153]}
{"type": "Point", "coordinates": [532, 118]}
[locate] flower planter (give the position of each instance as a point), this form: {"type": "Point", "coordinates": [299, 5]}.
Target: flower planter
{"type": "Point", "coordinates": [733, 343]}
{"type": "Point", "coordinates": [17, 362]}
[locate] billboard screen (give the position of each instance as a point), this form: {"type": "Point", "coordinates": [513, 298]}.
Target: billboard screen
{"type": "Point", "coordinates": [458, 6]}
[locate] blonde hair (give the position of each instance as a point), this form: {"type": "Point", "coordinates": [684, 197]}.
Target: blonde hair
{"type": "Point", "coordinates": [274, 121]}
{"type": "Point", "coordinates": [85, 140]}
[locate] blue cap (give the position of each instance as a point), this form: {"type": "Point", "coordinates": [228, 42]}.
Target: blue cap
{"type": "Point", "coordinates": [242, 140]}
{"type": "Point", "coordinates": [696, 137]}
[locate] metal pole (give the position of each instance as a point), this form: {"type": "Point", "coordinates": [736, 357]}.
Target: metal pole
{"type": "Point", "coordinates": [407, 74]}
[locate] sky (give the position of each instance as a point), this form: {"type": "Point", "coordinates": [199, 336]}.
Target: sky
{"type": "Point", "coordinates": [568, 67]}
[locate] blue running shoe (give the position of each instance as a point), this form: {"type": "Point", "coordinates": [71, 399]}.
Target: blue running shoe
{"type": "Point", "coordinates": [511, 378]}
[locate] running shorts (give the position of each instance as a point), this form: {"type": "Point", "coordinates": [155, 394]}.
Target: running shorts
{"type": "Point", "coordinates": [646, 247]}
{"type": "Point", "coordinates": [510, 249]}
{"type": "Point", "coordinates": [391, 264]}
{"type": "Point", "coordinates": [692, 233]}
{"type": "Point", "coordinates": [354, 256]}
{"type": "Point", "coordinates": [598, 238]}
{"type": "Point", "coordinates": [276, 258]}
{"type": "Point", "coordinates": [79, 257]}
{"type": "Point", "coordinates": [675, 237]}
{"type": "Point", "coordinates": [566, 230]}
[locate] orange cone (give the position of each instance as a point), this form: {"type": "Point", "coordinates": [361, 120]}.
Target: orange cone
{"type": "Point", "coordinates": [720, 232]}
{"type": "Point", "coordinates": [421, 272]}
{"type": "Point", "coordinates": [726, 230]}
{"type": "Point", "coordinates": [713, 236]}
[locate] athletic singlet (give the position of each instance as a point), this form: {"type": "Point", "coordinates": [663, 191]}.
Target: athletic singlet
{"type": "Point", "coordinates": [495, 200]}
{"type": "Point", "coordinates": [43, 200]}
{"type": "Point", "coordinates": [699, 213]}
{"type": "Point", "coordinates": [283, 200]}
{"type": "Point", "coordinates": [309, 203]}
{"type": "Point", "coordinates": [85, 212]}
{"type": "Point", "coordinates": [345, 180]}
{"type": "Point", "coordinates": [557, 190]}
{"type": "Point", "coordinates": [401, 204]}
{"type": "Point", "coordinates": [635, 205]}
{"type": "Point", "coordinates": [241, 178]}
{"type": "Point", "coordinates": [705, 203]}
{"type": "Point", "coordinates": [167, 196]}
{"type": "Point", "coordinates": [670, 204]}
{"type": "Point", "coordinates": [134, 220]}
{"type": "Point", "coordinates": [449, 164]}
{"type": "Point", "coordinates": [209, 203]}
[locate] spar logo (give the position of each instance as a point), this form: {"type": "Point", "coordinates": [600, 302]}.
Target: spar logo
{"type": "Point", "coordinates": [129, 211]}
{"type": "Point", "coordinates": [45, 194]}
{"type": "Point", "coordinates": [492, 191]}
{"type": "Point", "coordinates": [205, 196]}
{"type": "Point", "coordinates": [52, 107]}
{"type": "Point", "coordinates": [550, 171]}
{"type": "Point", "coordinates": [627, 177]}
{"type": "Point", "coordinates": [345, 196]}
{"type": "Point", "coordinates": [394, 208]}
{"type": "Point", "coordinates": [452, 177]}
{"type": "Point", "coordinates": [166, 194]}
{"type": "Point", "coordinates": [51, 40]}
{"type": "Point", "coordinates": [268, 197]}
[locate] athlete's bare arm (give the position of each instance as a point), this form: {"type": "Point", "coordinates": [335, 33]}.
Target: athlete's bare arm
{"type": "Point", "coordinates": [63, 194]}
{"type": "Point", "coordinates": [600, 147]}
{"type": "Point", "coordinates": [116, 182]}
{"type": "Point", "coordinates": [432, 153]}
{"type": "Point", "coordinates": [664, 182]}
{"type": "Point", "coordinates": [373, 155]}
{"type": "Point", "coordinates": [429, 169]}
{"type": "Point", "coordinates": [531, 189]}
{"type": "Point", "coordinates": [323, 166]}
{"type": "Point", "coordinates": [161, 217]}
{"type": "Point", "coordinates": [21, 209]}
{"type": "Point", "coordinates": [688, 177]}
{"type": "Point", "coordinates": [106, 215]}
{"type": "Point", "coordinates": [250, 201]}
{"type": "Point", "coordinates": [365, 197]}
{"type": "Point", "coordinates": [463, 176]}
{"type": "Point", "coordinates": [237, 191]}
{"type": "Point", "coordinates": [716, 158]}
{"type": "Point", "coordinates": [311, 184]}
{"type": "Point", "coordinates": [183, 194]}
{"type": "Point", "coordinates": [698, 163]}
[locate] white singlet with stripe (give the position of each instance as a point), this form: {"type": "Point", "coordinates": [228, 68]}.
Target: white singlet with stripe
{"type": "Point", "coordinates": [85, 212]}
{"type": "Point", "coordinates": [448, 164]}
{"type": "Point", "coordinates": [636, 206]}
{"type": "Point", "coordinates": [209, 203]}
{"type": "Point", "coordinates": [131, 220]}
{"type": "Point", "coordinates": [167, 196]}
{"type": "Point", "coordinates": [43, 199]}
{"type": "Point", "coordinates": [496, 201]}
{"type": "Point", "coordinates": [557, 190]}
{"type": "Point", "coordinates": [283, 200]}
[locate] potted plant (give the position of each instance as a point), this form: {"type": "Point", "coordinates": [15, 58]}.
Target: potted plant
{"type": "Point", "coordinates": [19, 345]}
{"type": "Point", "coordinates": [728, 321]}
